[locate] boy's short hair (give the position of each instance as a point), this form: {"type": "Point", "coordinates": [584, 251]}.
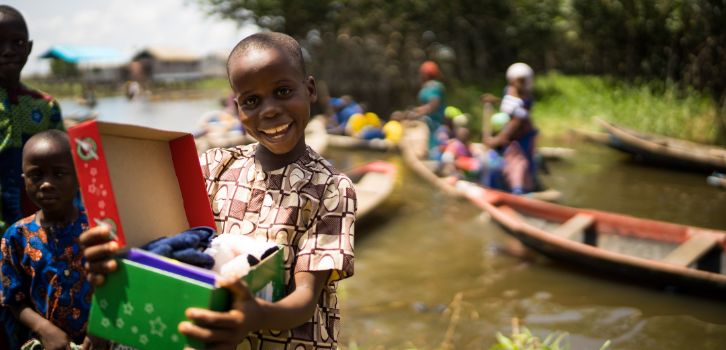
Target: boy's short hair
{"type": "Point", "coordinates": [270, 40]}
{"type": "Point", "coordinates": [57, 137]}
{"type": "Point", "coordinates": [9, 12]}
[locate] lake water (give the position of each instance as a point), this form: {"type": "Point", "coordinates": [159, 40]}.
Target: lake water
{"type": "Point", "coordinates": [430, 274]}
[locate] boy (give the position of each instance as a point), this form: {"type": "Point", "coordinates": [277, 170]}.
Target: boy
{"type": "Point", "coordinates": [278, 190]}
{"type": "Point", "coordinates": [23, 112]}
{"type": "Point", "coordinates": [43, 278]}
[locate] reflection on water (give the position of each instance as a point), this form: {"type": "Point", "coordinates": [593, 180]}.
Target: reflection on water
{"type": "Point", "coordinates": [415, 255]}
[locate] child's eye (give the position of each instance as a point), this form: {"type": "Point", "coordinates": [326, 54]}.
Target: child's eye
{"type": "Point", "coordinates": [250, 102]}
{"type": "Point", "coordinates": [20, 42]}
{"type": "Point", "coordinates": [284, 91]}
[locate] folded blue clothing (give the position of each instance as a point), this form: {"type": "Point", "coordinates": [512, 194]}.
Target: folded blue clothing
{"type": "Point", "coordinates": [186, 246]}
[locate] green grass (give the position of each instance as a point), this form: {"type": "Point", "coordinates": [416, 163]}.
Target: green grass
{"type": "Point", "coordinates": [564, 102]}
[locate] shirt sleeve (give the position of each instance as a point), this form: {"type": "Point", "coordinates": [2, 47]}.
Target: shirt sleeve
{"type": "Point", "coordinates": [15, 282]}
{"type": "Point", "coordinates": [56, 119]}
{"type": "Point", "coordinates": [327, 245]}
{"type": "Point", "coordinates": [514, 106]}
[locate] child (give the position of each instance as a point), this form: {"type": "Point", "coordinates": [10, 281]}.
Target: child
{"type": "Point", "coordinates": [277, 190]}
{"type": "Point", "coordinates": [516, 140]}
{"type": "Point", "coordinates": [43, 279]}
{"type": "Point", "coordinates": [23, 112]}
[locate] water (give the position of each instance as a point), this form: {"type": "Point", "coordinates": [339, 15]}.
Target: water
{"type": "Point", "coordinates": [416, 254]}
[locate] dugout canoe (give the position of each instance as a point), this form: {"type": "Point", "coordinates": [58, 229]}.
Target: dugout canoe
{"type": "Point", "coordinates": [315, 136]}
{"type": "Point", "coordinates": [349, 142]}
{"type": "Point", "coordinates": [620, 246]}
{"type": "Point", "coordinates": [666, 151]}
{"type": "Point", "coordinates": [374, 183]}
{"type": "Point", "coordinates": [414, 149]}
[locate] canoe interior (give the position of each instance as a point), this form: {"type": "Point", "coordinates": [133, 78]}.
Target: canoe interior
{"type": "Point", "coordinates": [634, 237]}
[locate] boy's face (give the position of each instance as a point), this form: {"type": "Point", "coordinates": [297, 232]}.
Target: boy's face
{"type": "Point", "coordinates": [14, 46]}
{"type": "Point", "coordinates": [273, 98]}
{"type": "Point", "coordinates": [50, 179]}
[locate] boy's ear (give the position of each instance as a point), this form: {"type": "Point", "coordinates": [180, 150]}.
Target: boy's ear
{"type": "Point", "coordinates": [30, 47]}
{"type": "Point", "coordinates": [312, 89]}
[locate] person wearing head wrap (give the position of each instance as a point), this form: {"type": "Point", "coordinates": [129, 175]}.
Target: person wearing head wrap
{"type": "Point", "coordinates": [515, 139]}
{"type": "Point", "coordinates": [431, 98]}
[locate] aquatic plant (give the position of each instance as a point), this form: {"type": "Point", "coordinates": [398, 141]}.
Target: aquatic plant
{"type": "Point", "coordinates": [523, 339]}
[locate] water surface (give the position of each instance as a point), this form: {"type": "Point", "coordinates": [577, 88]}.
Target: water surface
{"type": "Point", "coordinates": [429, 271]}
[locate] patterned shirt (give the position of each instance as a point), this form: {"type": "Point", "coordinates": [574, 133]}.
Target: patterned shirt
{"type": "Point", "coordinates": [23, 113]}
{"type": "Point", "coordinates": [308, 207]}
{"type": "Point", "coordinates": [45, 271]}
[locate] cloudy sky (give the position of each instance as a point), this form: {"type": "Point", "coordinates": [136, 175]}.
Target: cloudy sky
{"type": "Point", "coordinates": [124, 24]}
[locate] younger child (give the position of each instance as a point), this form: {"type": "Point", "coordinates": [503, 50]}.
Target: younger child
{"type": "Point", "coordinates": [278, 190]}
{"type": "Point", "coordinates": [43, 278]}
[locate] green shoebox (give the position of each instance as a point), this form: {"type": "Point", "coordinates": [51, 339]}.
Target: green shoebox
{"type": "Point", "coordinates": [141, 305]}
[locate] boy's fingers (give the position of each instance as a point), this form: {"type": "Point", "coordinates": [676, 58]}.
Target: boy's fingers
{"type": "Point", "coordinates": [213, 319]}
{"type": "Point", "coordinates": [96, 279]}
{"type": "Point", "coordinates": [101, 251]}
{"type": "Point", "coordinates": [96, 235]}
{"type": "Point", "coordinates": [237, 287]}
{"type": "Point", "coordinates": [102, 267]}
{"type": "Point", "coordinates": [205, 335]}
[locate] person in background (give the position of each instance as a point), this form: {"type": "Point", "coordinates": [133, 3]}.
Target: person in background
{"type": "Point", "coordinates": [343, 108]}
{"type": "Point", "coordinates": [23, 113]}
{"type": "Point", "coordinates": [516, 140]}
{"type": "Point", "coordinates": [43, 278]}
{"type": "Point", "coordinates": [273, 96]}
{"type": "Point", "coordinates": [432, 101]}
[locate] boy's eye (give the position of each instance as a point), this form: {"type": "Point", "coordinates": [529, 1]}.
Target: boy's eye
{"type": "Point", "coordinates": [250, 101]}
{"type": "Point", "coordinates": [21, 42]}
{"type": "Point", "coordinates": [284, 91]}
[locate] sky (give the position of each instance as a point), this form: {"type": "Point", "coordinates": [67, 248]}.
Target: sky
{"type": "Point", "coordinates": [127, 25]}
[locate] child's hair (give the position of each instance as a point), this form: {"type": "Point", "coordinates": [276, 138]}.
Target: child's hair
{"type": "Point", "coordinates": [56, 137]}
{"type": "Point", "coordinates": [8, 12]}
{"type": "Point", "coordinates": [270, 40]}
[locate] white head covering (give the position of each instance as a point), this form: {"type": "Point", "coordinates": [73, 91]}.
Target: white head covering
{"type": "Point", "coordinates": [521, 70]}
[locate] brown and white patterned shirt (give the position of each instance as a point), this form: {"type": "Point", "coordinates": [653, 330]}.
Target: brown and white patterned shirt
{"type": "Point", "coordinates": [306, 206]}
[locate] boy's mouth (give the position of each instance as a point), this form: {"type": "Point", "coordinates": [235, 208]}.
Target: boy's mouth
{"type": "Point", "coordinates": [276, 133]}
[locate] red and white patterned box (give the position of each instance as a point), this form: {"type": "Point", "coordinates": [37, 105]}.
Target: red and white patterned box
{"type": "Point", "coordinates": [144, 183]}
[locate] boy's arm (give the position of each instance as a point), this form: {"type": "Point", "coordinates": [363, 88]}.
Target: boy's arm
{"type": "Point", "coordinates": [227, 329]}
{"type": "Point", "coordinates": [51, 336]}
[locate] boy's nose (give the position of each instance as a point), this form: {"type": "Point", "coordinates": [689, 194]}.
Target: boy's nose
{"type": "Point", "coordinates": [270, 110]}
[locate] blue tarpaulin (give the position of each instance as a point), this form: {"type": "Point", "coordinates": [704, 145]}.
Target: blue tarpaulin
{"type": "Point", "coordinates": [83, 54]}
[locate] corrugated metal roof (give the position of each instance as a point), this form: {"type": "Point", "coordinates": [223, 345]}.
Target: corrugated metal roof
{"type": "Point", "coordinates": [168, 54]}
{"type": "Point", "coordinates": [85, 54]}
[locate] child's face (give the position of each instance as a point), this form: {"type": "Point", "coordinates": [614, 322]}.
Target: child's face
{"type": "Point", "coordinates": [14, 47]}
{"type": "Point", "coordinates": [50, 179]}
{"type": "Point", "coordinates": [273, 98]}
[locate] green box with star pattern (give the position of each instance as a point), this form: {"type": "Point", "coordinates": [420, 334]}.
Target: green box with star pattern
{"type": "Point", "coordinates": [141, 305]}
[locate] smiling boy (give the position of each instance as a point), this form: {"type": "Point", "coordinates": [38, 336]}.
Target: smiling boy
{"type": "Point", "coordinates": [278, 190]}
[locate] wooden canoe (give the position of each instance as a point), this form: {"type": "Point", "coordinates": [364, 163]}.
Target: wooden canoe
{"type": "Point", "coordinates": [349, 142]}
{"type": "Point", "coordinates": [315, 136]}
{"type": "Point", "coordinates": [374, 183]}
{"type": "Point", "coordinates": [621, 246]}
{"type": "Point", "coordinates": [667, 151]}
{"type": "Point", "coordinates": [414, 149]}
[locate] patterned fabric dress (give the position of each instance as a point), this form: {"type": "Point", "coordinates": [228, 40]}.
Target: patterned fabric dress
{"type": "Point", "coordinates": [306, 206]}
{"type": "Point", "coordinates": [23, 113]}
{"type": "Point", "coordinates": [45, 271]}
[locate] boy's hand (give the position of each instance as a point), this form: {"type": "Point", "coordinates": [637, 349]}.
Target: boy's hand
{"type": "Point", "coordinates": [225, 330]}
{"type": "Point", "coordinates": [99, 249]}
{"type": "Point", "coordinates": [53, 338]}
